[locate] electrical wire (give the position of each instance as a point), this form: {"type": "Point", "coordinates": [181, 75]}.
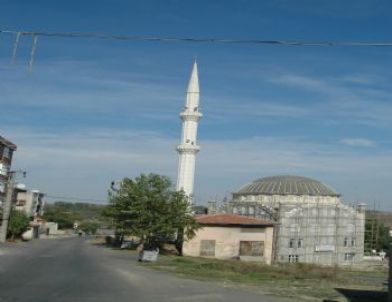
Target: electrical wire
{"type": "Point", "coordinates": [199, 40]}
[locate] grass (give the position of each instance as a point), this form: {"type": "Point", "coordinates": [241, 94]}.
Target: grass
{"type": "Point", "coordinates": [303, 281]}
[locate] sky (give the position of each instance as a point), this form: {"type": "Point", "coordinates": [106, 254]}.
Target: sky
{"type": "Point", "coordinates": [92, 111]}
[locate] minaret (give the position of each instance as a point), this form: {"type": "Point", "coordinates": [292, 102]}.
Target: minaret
{"type": "Point", "coordinates": [188, 148]}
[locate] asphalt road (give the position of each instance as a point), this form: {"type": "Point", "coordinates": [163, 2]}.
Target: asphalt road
{"type": "Point", "coordinates": [74, 270]}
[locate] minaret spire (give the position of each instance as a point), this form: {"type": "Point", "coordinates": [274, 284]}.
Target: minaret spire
{"type": "Point", "coordinates": [188, 147]}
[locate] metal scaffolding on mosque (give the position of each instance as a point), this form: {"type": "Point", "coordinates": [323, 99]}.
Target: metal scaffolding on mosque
{"type": "Point", "coordinates": [36, 34]}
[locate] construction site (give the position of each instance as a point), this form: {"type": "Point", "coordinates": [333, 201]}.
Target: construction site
{"type": "Point", "coordinates": [312, 225]}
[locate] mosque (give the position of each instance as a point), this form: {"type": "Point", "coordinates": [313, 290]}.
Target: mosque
{"type": "Point", "coordinates": [310, 222]}
{"type": "Point", "coordinates": [312, 225]}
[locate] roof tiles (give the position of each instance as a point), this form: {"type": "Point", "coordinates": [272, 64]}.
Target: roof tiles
{"type": "Point", "coordinates": [231, 220]}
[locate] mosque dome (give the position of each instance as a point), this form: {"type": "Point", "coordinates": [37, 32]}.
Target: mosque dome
{"type": "Point", "coordinates": [287, 185]}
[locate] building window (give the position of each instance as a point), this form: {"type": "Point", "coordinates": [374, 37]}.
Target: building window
{"type": "Point", "coordinates": [243, 210]}
{"type": "Point", "coordinates": [7, 152]}
{"type": "Point", "coordinates": [252, 248]}
{"type": "Point", "coordinates": [235, 210]}
{"type": "Point", "coordinates": [291, 243]}
{"type": "Point", "coordinates": [345, 243]}
{"type": "Point", "coordinates": [352, 241]}
{"type": "Point", "coordinates": [4, 169]}
{"type": "Point", "coordinates": [21, 202]}
{"type": "Point", "coordinates": [349, 256]}
{"type": "Point", "coordinates": [207, 248]}
{"type": "Point", "coordinates": [195, 109]}
{"type": "Point", "coordinates": [299, 243]}
{"type": "Point", "coordinates": [293, 258]}
{"type": "Point", "coordinates": [251, 211]}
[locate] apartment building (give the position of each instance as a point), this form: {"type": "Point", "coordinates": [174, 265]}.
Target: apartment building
{"type": "Point", "coordinates": [7, 149]}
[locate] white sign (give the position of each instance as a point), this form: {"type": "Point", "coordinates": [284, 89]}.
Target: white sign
{"type": "Point", "coordinates": [150, 256]}
{"type": "Point", "coordinates": [325, 248]}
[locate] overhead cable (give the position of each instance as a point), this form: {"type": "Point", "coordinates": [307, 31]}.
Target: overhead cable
{"type": "Point", "coordinates": [199, 40]}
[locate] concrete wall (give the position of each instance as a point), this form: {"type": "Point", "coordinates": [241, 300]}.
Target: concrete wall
{"type": "Point", "coordinates": [227, 241]}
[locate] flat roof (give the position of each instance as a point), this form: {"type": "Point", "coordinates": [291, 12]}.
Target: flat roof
{"type": "Point", "coordinates": [6, 142]}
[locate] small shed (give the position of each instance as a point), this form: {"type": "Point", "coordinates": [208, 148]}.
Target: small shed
{"type": "Point", "coordinates": [226, 236]}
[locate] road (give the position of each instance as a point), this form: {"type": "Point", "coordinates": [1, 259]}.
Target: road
{"type": "Point", "coordinates": [72, 269]}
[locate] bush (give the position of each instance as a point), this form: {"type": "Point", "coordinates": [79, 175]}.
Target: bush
{"type": "Point", "coordinates": [89, 227]}
{"type": "Point", "coordinates": [19, 223]}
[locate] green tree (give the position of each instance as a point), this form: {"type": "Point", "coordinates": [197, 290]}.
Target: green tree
{"type": "Point", "coordinates": [66, 213]}
{"type": "Point", "coordinates": [376, 234]}
{"type": "Point", "coordinates": [19, 222]}
{"type": "Point", "coordinates": [89, 227]}
{"type": "Point", "coordinates": [148, 208]}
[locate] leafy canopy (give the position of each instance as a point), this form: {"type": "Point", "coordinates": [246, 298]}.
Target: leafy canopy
{"type": "Point", "coordinates": [18, 224]}
{"type": "Point", "coordinates": [148, 208]}
{"type": "Point", "coordinates": [67, 213]}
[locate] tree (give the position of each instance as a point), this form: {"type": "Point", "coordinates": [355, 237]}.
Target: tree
{"type": "Point", "coordinates": [66, 213]}
{"type": "Point", "coordinates": [89, 227]}
{"type": "Point", "coordinates": [19, 222]}
{"type": "Point", "coordinates": [376, 234]}
{"type": "Point", "coordinates": [147, 208]}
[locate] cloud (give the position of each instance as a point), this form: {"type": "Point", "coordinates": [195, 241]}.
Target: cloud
{"type": "Point", "coordinates": [83, 163]}
{"type": "Point", "coordinates": [358, 142]}
{"type": "Point", "coordinates": [336, 99]}
{"type": "Point", "coordinates": [229, 108]}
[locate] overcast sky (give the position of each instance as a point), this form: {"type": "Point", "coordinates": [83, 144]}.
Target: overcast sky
{"type": "Point", "coordinates": [93, 111]}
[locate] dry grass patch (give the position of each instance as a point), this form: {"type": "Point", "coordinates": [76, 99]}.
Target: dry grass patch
{"type": "Point", "coordinates": [307, 281]}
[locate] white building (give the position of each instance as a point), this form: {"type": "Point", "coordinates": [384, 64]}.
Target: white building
{"type": "Point", "coordinates": [188, 147]}
{"type": "Point", "coordinates": [30, 202]}
{"type": "Point", "coordinates": [7, 149]}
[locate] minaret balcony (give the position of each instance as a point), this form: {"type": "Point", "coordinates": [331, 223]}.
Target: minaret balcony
{"type": "Point", "coordinates": [188, 148]}
{"type": "Point", "coordinates": [191, 116]}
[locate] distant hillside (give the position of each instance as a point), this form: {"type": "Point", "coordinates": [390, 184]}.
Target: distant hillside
{"type": "Point", "coordinates": [384, 217]}
{"type": "Point", "coordinates": [66, 213]}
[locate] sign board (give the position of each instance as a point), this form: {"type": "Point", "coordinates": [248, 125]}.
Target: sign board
{"type": "Point", "coordinates": [325, 248]}
{"type": "Point", "coordinates": [150, 256]}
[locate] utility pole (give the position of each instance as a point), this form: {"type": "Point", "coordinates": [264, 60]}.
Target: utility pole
{"type": "Point", "coordinates": [7, 206]}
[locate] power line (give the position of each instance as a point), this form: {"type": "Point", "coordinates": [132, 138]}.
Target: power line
{"type": "Point", "coordinates": [198, 40]}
